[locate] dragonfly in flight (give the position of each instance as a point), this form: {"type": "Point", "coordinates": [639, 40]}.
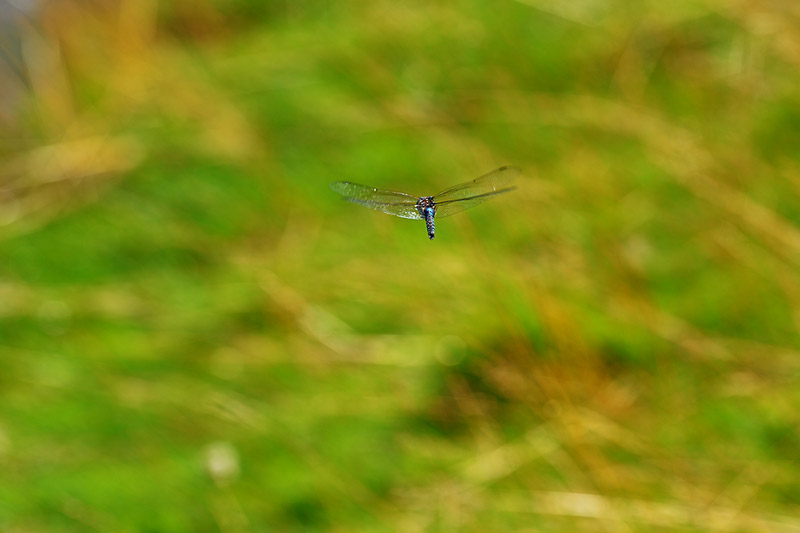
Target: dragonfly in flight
{"type": "Point", "coordinates": [448, 202]}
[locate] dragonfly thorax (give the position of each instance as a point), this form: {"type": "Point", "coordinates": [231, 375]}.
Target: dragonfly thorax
{"type": "Point", "coordinates": [426, 207]}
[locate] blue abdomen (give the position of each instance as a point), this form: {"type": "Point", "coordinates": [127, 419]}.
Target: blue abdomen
{"type": "Point", "coordinates": [429, 222]}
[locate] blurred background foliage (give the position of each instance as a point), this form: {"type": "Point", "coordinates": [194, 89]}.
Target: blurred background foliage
{"type": "Point", "coordinates": [197, 335]}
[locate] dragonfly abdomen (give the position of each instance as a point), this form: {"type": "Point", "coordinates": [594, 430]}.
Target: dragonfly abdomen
{"type": "Point", "coordinates": [429, 212]}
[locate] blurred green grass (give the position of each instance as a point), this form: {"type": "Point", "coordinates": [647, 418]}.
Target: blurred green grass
{"type": "Point", "coordinates": [197, 335]}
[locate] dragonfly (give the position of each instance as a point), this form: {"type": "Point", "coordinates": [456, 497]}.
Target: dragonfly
{"type": "Point", "coordinates": [448, 202]}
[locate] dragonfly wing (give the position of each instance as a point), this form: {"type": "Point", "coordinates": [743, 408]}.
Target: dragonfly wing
{"type": "Point", "coordinates": [456, 206]}
{"type": "Point", "coordinates": [469, 194]}
{"type": "Point", "coordinates": [394, 203]}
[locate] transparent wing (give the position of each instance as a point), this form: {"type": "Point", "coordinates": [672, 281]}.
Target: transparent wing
{"type": "Point", "coordinates": [465, 195]}
{"type": "Point", "coordinates": [394, 203]}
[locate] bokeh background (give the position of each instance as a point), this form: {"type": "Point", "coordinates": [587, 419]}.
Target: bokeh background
{"type": "Point", "coordinates": [196, 334]}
